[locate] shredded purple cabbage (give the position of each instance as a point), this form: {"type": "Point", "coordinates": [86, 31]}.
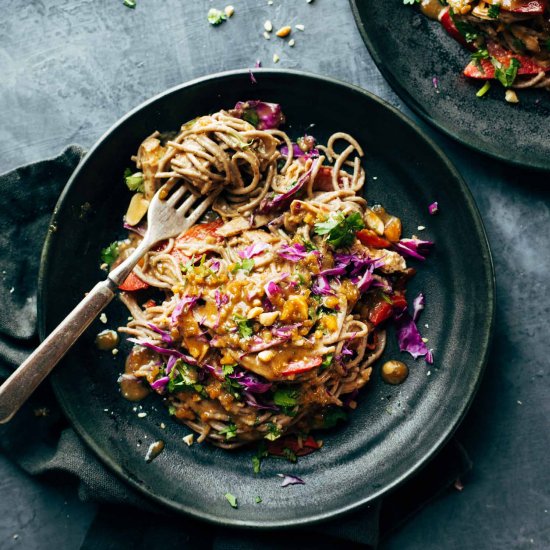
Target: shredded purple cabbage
{"type": "Point", "coordinates": [408, 336]}
{"type": "Point", "coordinates": [164, 336]}
{"type": "Point", "coordinates": [253, 250]}
{"type": "Point", "coordinates": [283, 200]}
{"type": "Point", "coordinates": [136, 229]}
{"type": "Point", "coordinates": [418, 306]}
{"type": "Point", "coordinates": [183, 306]}
{"type": "Point", "coordinates": [293, 252]}
{"type": "Point", "coordinates": [265, 116]}
{"type": "Point", "coordinates": [250, 382]}
{"type": "Point", "coordinates": [364, 281]}
{"type": "Point", "coordinates": [321, 287]}
{"type": "Point", "coordinates": [215, 266]}
{"type": "Point", "coordinates": [166, 351]}
{"type": "Point", "coordinates": [415, 248]}
{"type": "Point", "coordinates": [160, 384]}
{"type": "Point", "coordinates": [291, 480]}
{"type": "Point", "coordinates": [252, 77]}
{"type": "Point", "coordinates": [170, 364]}
{"type": "Point", "coordinates": [433, 208]}
{"type": "Point", "coordinates": [298, 152]}
{"type": "Point", "coordinates": [271, 290]}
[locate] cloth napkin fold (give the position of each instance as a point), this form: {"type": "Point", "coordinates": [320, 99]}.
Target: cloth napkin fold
{"type": "Point", "coordinates": [40, 440]}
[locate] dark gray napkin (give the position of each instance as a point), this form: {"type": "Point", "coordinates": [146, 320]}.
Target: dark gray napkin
{"type": "Point", "coordinates": [41, 441]}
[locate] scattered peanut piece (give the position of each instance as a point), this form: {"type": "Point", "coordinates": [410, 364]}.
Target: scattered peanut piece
{"type": "Point", "coordinates": [268, 26]}
{"type": "Point", "coordinates": [276, 58]}
{"type": "Point", "coordinates": [284, 31]}
{"type": "Point", "coordinates": [266, 35]}
{"type": "Point", "coordinates": [188, 439]}
{"type": "Point", "coordinates": [299, 27]}
{"type": "Point", "coordinates": [291, 42]}
{"type": "Point", "coordinates": [229, 10]}
{"type": "Point", "coordinates": [511, 96]}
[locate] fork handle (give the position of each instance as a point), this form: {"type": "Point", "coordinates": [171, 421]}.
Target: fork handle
{"type": "Point", "coordinates": [23, 381]}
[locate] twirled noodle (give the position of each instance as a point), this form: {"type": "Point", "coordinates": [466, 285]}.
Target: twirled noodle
{"type": "Point", "coordinates": [247, 337]}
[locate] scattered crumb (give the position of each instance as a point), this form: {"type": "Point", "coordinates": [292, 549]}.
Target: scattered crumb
{"type": "Point", "coordinates": [268, 26]}
{"type": "Point", "coordinates": [291, 42]}
{"type": "Point", "coordinates": [458, 485]}
{"type": "Point", "coordinates": [374, 177]}
{"type": "Point", "coordinates": [41, 411]}
{"type": "Point", "coordinates": [106, 410]}
{"type": "Point", "coordinates": [429, 373]}
{"type": "Point", "coordinates": [103, 267]}
{"type": "Point", "coordinates": [142, 415]}
{"type": "Point", "coordinates": [162, 426]}
{"type": "Point", "coordinates": [427, 326]}
{"type": "Point", "coordinates": [188, 439]}
{"type": "Point", "coordinates": [421, 228]}
{"type": "Point", "coordinates": [114, 351]}
{"type": "Point", "coordinates": [15, 536]}
{"type": "Point", "coordinates": [103, 318]}
{"type": "Point", "coordinates": [425, 340]}
{"type": "Point", "coordinates": [12, 290]}
{"type": "Point", "coordinates": [520, 403]}
{"type": "Point", "coordinates": [266, 35]}
{"type": "Point", "coordinates": [299, 27]}
{"type": "Point", "coordinates": [270, 2]}
{"type": "Point", "coordinates": [276, 58]}
{"type": "Point", "coordinates": [229, 10]}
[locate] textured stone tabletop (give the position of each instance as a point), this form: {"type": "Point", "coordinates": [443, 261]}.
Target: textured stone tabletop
{"type": "Point", "coordinates": [70, 68]}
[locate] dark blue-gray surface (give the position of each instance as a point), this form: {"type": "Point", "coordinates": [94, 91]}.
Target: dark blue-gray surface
{"type": "Point", "coordinates": [69, 69]}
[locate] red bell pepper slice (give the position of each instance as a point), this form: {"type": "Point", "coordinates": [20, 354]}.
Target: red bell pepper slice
{"type": "Point", "coordinates": [304, 365]}
{"type": "Point", "coordinates": [369, 238]}
{"type": "Point", "coordinates": [487, 71]}
{"type": "Point", "coordinates": [290, 442]}
{"type": "Point", "coordinates": [132, 283]}
{"type": "Point", "coordinates": [380, 312]}
{"type": "Point", "coordinates": [198, 233]}
{"type": "Point", "coordinates": [446, 20]}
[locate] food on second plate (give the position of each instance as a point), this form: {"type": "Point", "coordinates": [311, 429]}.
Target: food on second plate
{"type": "Point", "coordinates": [509, 39]}
{"type": "Point", "coordinates": [265, 319]}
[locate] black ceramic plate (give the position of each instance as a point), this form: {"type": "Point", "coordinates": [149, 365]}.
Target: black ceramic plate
{"type": "Point", "coordinates": [410, 50]}
{"type": "Point", "coordinates": [394, 430]}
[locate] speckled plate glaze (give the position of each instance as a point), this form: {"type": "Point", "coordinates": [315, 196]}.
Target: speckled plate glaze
{"type": "Point", "coordinates": [395, 430]}
{"type": "Point", "coordinates": [411, 50]}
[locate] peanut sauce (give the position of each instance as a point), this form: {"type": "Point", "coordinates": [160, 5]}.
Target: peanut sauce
{"type": "Point", "coordinates": [131, 387]}
{"type": "Point", "coordinates": [107, 340]}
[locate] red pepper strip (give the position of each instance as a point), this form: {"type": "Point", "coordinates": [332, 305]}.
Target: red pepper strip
{"type": "Point", "coordinates": [525, 6]}
{"type": "Point", "coordinates": [380, 312]}
{"type": "Point", "coordinates": [323, 179]}
{"type": "Point", "coordinates": [399, 301]}
{"type": "Point", "coordinates": [290, 442]}
{"type": "Point", "coordinates": [527, 64]}
{"type": "Point", "coordinates": [132, 283]}
{"type": "Point", "coordinates": [369, 238]}
{"type": "Point", "coordinates": [197, 233]}
{"type": "Point", "coordinates": [446, 20]}
{"type": "Point", "coordinates": [297, 367]}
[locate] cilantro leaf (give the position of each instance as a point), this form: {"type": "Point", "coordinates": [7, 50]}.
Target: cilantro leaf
{"type": "Point", "coordinates": [506, 75]}
{"type": "Point", "coordinates": [130, 4]}
{"type": "Point", "coordinates": [494, 11]}
{"type": "Point", "coordinates": [246, 265]}
{"type": "Point", "coordinates": [466, 30]}
{"type": "Point", "coordinates": [257, 458]}
{"type": "Point", "coordinates": [273, 432]}
{"type": "Point", "coordinates": [286, 397]}
{"type": "Point", "coordinates": [327, 361]}
{"type": "Point", "coordinates": [134, 181]}
{"type": "Point", "coordinates": [216, 17]}
{"type": "Point", "coordinates": [230, 431]}
{"type": "Point", "coordinates": [232, 499]}
{"type": "Point", "coordinates": [110, 253]}
{"type": "Point", "coordinates": [478, 55]}
{"type": "Point", "coordinates": [257, 500]}
{"type": "Point", "coordinates": [244, 326]}
{"type": "Point", "coordinates": [340, 230]}
{"type": "Point", "coordinates": [332, 416]}
{"type": "Point", "coordinates": [183, 377]}
{"type": "Point", "coordinates": [228, 369]}
{"type": "Point", "coordinates": [411, 2]}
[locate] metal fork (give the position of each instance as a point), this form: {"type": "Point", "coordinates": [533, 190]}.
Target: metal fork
{"type": "Point", "coordinates": [166, 218]}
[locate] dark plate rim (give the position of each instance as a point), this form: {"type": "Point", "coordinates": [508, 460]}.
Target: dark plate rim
{"type": "Point", "coordinates": [404, 94]}
{"type": "Point", "coordinates": [486, 330]}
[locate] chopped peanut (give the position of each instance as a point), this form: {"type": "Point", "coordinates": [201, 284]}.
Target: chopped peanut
{"type": "Point", "coordinates": [284, 31]}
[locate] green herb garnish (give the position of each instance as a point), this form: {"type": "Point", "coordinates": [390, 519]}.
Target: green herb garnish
{"type": "Point", "coordinates": [257, 500]}
{"type": "Point", "coordinates": [216, 17]}
{"type": "Point", "coordinates": [244, 326]}
{"type": "Point", "coordinates": [130, 4]}
{"type": "Point", "coordinates": [327, 361]}
{"type": "Point", "coordinates": [290, 455]}
{"type": "Point", "coordinates": [506, 75]}
{"type": "Point", "coordinates": [484, 89]}
{"type": "Point", "coordinates": [273, 432]}
{"type": "Point", "coordinates": [261, 453]}
{"type": "Point", "coordinates": [340, 230]}
{"type": "Point", "coordinates": [478, 55]}
{"type": "Point", "coordinates": [251, 117]}
{"type": "Point", "coordinates": [494, 11]}
{"type": "Point", "coordinates": [134, 180]}
{"type": "Point", "coordinates": [230, 431]}
{"type": "Point", "coordinates": [286, 397]}
{"type": "Point", "coordinates": [110, 254]}
{"type": "Point", "coordinates": [231, 499]}
{"type": "Point", "coordinates": [411, 2]}
{"type": "Point", "coordinates": [246, 265]}
{"type": "Point", "coordinates": [466, 30]}
{"type": "Point", "coordinates": [183, 377]}
{"type": "Point", "coordinates": [228, 369]}
{"type": "Point", "coordinates": [332, 416]}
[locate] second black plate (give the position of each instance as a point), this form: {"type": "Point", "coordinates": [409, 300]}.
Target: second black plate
{"type": "Point", "coordinates": [411, 50]}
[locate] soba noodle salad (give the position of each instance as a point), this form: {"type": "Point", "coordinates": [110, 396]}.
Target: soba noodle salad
{"type": "Point", "coordinates": [265, 319]}
{"type": "Point", "coordinates": [509, 39]}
